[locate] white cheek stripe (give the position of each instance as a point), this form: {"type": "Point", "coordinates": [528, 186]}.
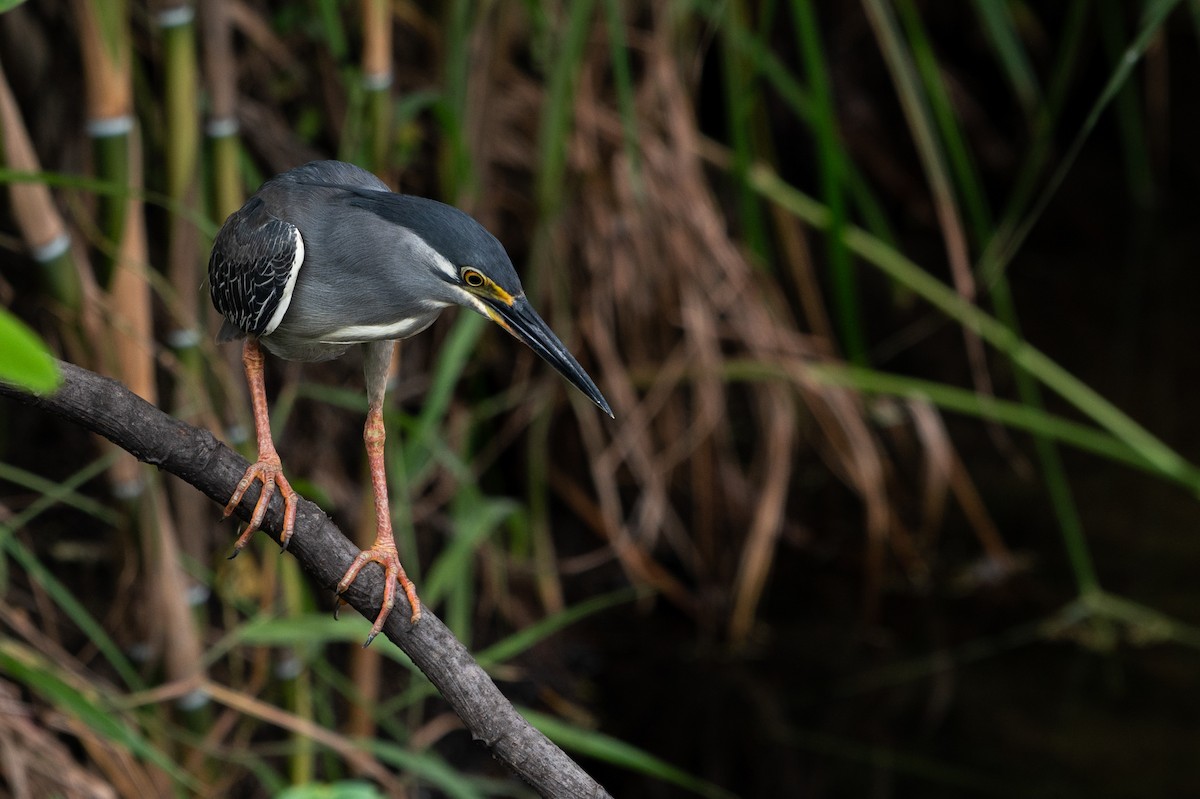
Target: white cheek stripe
{"type": "Point", "coordinates": [439, 260]}
{"type": "Point", "coordinates": [286, 299]}
{"type": "Point", "coordinates": [443, 264]}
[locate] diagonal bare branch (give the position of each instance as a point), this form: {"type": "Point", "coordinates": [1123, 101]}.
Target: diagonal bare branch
{"type": "Point", "coordinates": [104, 406]}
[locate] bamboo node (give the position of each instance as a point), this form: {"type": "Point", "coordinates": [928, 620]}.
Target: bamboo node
{"type": "Point", "coordinates": [183, 338]}
{"type": "Point", "coordinates": [106, 127]}
{"type": "Point", "coordinates": [128, 488]}
{"type": "Point", "coordinates": [176, 17]}
{"type": "Point", "coordinates": [44, 253]}
{"type": "Point", "coordinates": [193, 700]}
{"type": "Point", "coordinates": [221, 127]}
{"type": "Point", "coordinates": [377, 81]}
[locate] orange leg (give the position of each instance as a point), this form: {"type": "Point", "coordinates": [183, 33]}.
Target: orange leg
{"type": "Point", "coordinates": [383, 551]}
{"type": "Point", "coordinates": [268, 468]}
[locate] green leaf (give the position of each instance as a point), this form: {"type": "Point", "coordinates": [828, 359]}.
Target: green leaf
{"type": "Point", "coordinates": [26, 361]}
{"type": "Point", "coordinates": [346, 789]}
{"type": "Point", "coordinates": [526, 638]}
{"type": "Point", "coordinates": [309, 629]}
{"type": "Point", "coordinates": [6, 5]}
{"type": "Point", "coordinates": [474, 520]}
{"type": "Point", "coordinates": [426, 766]}
{"type": "Point", "coordinates": [610, 750]}
{"type": "Point", "coordinates": [85, 705]}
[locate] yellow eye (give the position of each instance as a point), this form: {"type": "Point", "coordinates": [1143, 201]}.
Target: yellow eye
{"type": "Point", "coordinates": [472, 278]}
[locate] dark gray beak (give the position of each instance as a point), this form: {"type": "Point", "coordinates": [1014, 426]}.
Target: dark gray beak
{"type": "Point", "coordinates": [524, 323]}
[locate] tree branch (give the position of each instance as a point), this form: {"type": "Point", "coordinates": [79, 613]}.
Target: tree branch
{"type": "Point", "coordinates": [104, 406]}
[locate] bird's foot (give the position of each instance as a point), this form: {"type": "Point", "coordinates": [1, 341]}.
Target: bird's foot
{"type": "Point", "coordinates": [385, 554]}
{"type": "Point", "coordinates": [269, 471]}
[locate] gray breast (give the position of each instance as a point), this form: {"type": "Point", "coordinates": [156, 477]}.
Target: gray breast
{"type": "Point", "coordinates": [362, 280]}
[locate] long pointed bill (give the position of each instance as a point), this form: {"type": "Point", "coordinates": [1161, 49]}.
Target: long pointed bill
{"type": "Point", "coordinates": [524, 323]}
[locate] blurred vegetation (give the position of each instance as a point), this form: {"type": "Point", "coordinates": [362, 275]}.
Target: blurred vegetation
{"type": "Point", "coordinates": [853, 530]}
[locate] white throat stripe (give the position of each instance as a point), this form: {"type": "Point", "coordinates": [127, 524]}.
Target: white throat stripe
{"type": "Point", "coordinates": [357, 334]}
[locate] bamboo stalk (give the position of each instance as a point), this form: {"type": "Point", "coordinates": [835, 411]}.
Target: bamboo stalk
{"type": "Point", "coordinates": [41, 225]}
{"type": "Point", "coordinates": [184, 530]}
{"type": "Point", "coordinates": [104, 39]}
{"type": "Point", "coordinates": [365, 664]}
{"type": "Point", "coordinates": [220, 74]}
{"type": "Point", "coordinates": [176, 20]}
{"type": "Point", "coordinates": [106, 44]}
{"type": "Point", "coordinates": [226, 193]}
{"type": "Point", "coordinates": [377, 81]}
{"type": "Point", "coordinates": [302, 762]}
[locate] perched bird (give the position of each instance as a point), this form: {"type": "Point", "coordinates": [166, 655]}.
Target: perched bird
{"type": "Point", "coordinates": [324, 257]}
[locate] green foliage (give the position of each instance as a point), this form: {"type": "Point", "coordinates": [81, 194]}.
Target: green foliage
{"type": "Point", "coordinates": [26, 361]}
{"type": "Point", "coordinates": [83, 705]}
{"type": "Point", "coordinates": [606, 748]}
{"type": "Point", "coordinates": [346, 789]}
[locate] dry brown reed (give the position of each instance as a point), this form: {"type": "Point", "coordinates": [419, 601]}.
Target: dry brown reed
{"type": "Point", "coordinates": [667, 301]}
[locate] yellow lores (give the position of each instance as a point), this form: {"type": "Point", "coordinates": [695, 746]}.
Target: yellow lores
{"type": "Point", "coordinates": [484, 286]}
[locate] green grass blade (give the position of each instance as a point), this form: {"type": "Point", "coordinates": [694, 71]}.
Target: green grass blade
{"type": "Point", "coordinates": [458, 176]}
{"type": "Point", "coordinates": [527, 637]}
{"type": "Point", "coordinates": [623, 80]}
{"type": "Point", "coordinates": [899, 268]}
{"type": "Point", "coordinates": [918, 114]}
{"type": "Point", "coordinates": [610, 750]}
{"type": "Point", "coordinates": [1016, 415]}
{"type": "Point", "coordinates": [307, 630]}
{"type": "Point", "coordinates": [59, 593]}
{"type": "Point", "coordinates": [344, 789]}
{"type": "Point", "coordinates": [1127, 108]}
{"type": "Point", "coordinates": [957, 154]}
{"type": "Point", "coordinates": [45, 679]}
{"type": "Point", "coordinates": [474, 519]}
{"type": "Point", "coordinates": [742, 106]}
{"type": "Point", "coordinates": [1062, 500]}
{"type": "Point", "coordinates": [35, 482]}
{"type": "Point", "coordinates": [560, 104]}
{"type": "Point", "coordinates": [451, 362]}
{"type": "Point", "coordinates": [330, 13]}
{"type": "Point", "coordinates": [113, 189]}
{"type": "Point", "coordinates": [912, 97]}
{"type": "Point", "coordinates": [1154, 16]}
{"type": "Point", "coordinates": [1144, 625]}
{"type": "Point", "coordinates": [896, 762]}
{"type": "Point", "coordinates": [1053, 471]}
{"type": "Point", "coordinates": [1024, 186]}
{"type": "Point", "coordinates": [72, 608]}
{"type": "Point", "coordinates": [998, 25]}
{"type": "Point", "coordinates": [831, 166]}
{"type": "Point", "coordinates": [781, 80]}
{"type": "Point", "coordinates": [426, 766]}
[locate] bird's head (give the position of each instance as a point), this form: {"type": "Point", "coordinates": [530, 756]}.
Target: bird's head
{"type": "Point", "coordinates": [466, 265]}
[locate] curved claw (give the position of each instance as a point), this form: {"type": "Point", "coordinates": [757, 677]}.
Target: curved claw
{"type": "Point", "coordinates": [387, 557]}
{"type": "Point", "coordinates": [270, 472]}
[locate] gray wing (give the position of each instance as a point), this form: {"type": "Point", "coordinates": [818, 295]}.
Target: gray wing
{"type": "Point", "coordinates": [252, 271]}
